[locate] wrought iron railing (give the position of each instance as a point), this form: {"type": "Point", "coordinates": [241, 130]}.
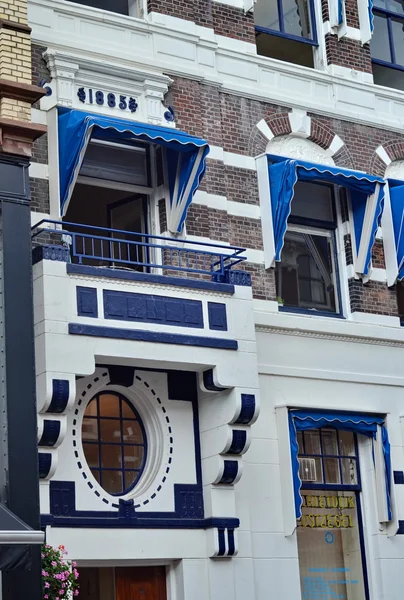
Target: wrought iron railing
{"type": "Point", "coordinates": [103, 247]}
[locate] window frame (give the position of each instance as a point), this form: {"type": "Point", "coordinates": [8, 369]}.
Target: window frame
{"type": "Point", "coordinates": [135, 8]}
{"type": "Point", "coordinates": [281, 33]}
{"type": "Point", "coordinates": [357, 489]}
{"type": "Point", "coordinates": [327, 229]}
{"type": "Point", "coordinates": [98, 443]}
{"type": "Point", "coordinates": [389, 15]}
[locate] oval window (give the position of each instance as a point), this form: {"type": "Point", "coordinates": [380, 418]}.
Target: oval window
{"type": "Point", "coordinates": [114, 442]}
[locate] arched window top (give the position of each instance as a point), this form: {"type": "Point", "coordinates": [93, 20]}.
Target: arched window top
{"type": "Point", "coordinates": [293, 146]}
{"type": "Point", "coordinates": [114, 442]}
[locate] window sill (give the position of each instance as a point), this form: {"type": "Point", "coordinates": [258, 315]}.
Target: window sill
{"type": "Point", "coordinates": [309, 312]}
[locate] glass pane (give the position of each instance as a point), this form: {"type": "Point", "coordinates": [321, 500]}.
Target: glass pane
{"type": "Point", "coordinates": [349, 472]}
{"type": "Point", "coordinates": [329, 440]}
{"type": "Point", "coordinates": [96, 475]}
{"type": "Point", "coordinates": [111, 457]}
{"type": "Point", "coordinates": [132, 432]}
{"type": "Point", "coordinates": [294, 287]}
{"type": "Point", "coordinates": [110, 430]}
{"type": "Point", "coordinates": [112, 482]}
{"type": "Point", "coordinates": [296, 17]}
{"type": "Point", "coordinates": [313, 201]}
{"type": "Point", "coordinates": [91, 454]}
{"type": "Point", "coordinates": [127, 411]}
{"type": "Point", "coordinates": [380, 46]}
{"type": "Point", "coordinates": [89, 430]}
{"type": "Point", "coordinates": [398, 37]}
{"type": "Point", "coordinates": [130, 477]}
{"type": "Point", "coordinates": [310, 470]}
{"type": "Point", "coordinates": [266, 14]}
{"type": "Point", "coordinates": [133, 457]}
{"type": "Point", "coordinates": [109, 405]}
{"type": "Point", "coordinates": [300, 441]}
{"type": "Point", "coordinates": [312, 442]}
{"type": "Point", "coordinates": [117, 6]}
{"type": "Point", "coordinates": [124, 165]}
{"type": "Point", "coordinates": [346, 443]}
{"type": "Point", "coordinates": [396, 6]}
{"type": "Point", "coordinates": [91, 410]}
{"type": "Point", "coordinates": [330, 557]}
{"type": "Point", "coordinates": [331, 470]}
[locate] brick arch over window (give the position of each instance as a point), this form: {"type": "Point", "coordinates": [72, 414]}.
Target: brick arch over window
{"type": "Point", "coordinates": [300, 124]}
{"type": "Point", "coordinates": [384, 155]}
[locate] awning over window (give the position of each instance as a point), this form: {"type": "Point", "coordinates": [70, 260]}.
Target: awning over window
{"type": "Point", "coordinates": [367, 197]}
{"type": "Point", "coordinates": [371, 16]}
{"type": "Point", "coordinates": [15, 539]}
{"type": "Point", "coordinates": [186, 155]}
{"type": "Point", "coordinates": [300, 420]}
{"type": "Point", "coordinates": [396, 189]}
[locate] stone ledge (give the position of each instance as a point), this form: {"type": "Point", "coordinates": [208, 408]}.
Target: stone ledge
{"type": "Point", "coordinates": [16, 137]}
{"type": "Point", "coordinates": [21, 91]}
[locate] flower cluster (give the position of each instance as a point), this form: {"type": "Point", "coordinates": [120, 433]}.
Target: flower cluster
{"type": "Point", "coordinates": [59, 576]}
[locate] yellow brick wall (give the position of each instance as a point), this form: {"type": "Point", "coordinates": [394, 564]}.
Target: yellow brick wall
{"type": "Point", "coordinates": [15, 57]}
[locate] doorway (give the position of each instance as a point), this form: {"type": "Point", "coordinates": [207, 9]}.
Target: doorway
{"type": "Point", "coordinates": [123, 583]}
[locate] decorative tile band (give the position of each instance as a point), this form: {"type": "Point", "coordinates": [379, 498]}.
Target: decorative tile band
{"type": "Point", "coordinates": [148, 308]}
{"type": "Point", "coordinates": [60, 396]}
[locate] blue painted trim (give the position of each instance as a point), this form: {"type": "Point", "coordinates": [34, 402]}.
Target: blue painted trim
{"type": "Point", "coordinates": [311, 313]}
{"type": "Point", "coordinates": [398, 477]}
{"type": "Point", "coordinates": [234, 277]}
{"type": "Point", "coordinates": [362, 546]}
{"type": "Point", "coordinates": [238, 442]}
{"type": "Point", "coordinates": [50, 434]}
{"type": "Point", "coordinates": [182, 385]}
{"type": "Point", "coordinates": [221, 542]}
{"type": "Point", "coordinates": [150, 308]}
{"type": "Point", "coordinates": [60, 396]}
{"type": "Point", "coordinates": [287, 36]}
{"type": "Point", "coordinates": [389, 16]}
{"type": "Point", "coordinates": [209, 383]}
{"type": "Point", "coordinates": [199, 284]}
{"type": "Point", "coordinates": [231, 542]}
{"type": "Point", "coordinates": [217, 316]}
{"type": "Point", "coordinates": [87, 304]}
{"type": "Point", "coordinates": [230, 472]}
{"type": "Point", "coordinates": [50, 252]}
{"type": "Point", "coordinates": [44, 464]}
{"type": "Point", "coordinates": [400, 530]}
{"type": "Point", "coordinates": [104, 520]}
{"type": "Point", "coordinates": [152, 336]}
{"type": "Point", "coordinates": [247, 411]}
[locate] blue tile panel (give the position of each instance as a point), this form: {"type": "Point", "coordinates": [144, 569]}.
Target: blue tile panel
{"type": "Point", "coordinates": [148, 308]}
{"type": "Point", "coordinates": [398, 477]}
{"type": "Point", "coordinates": [87, 302]}
{"type": "Point", "coordinates": [217, 316]}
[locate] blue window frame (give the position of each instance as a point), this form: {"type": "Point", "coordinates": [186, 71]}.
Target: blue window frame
{"type": "Point", "coordinates": [307, 279]}
{"type": "Point", "coordinates": [114, 442]}
{"type": "Point", "coordinates": [330, 530]}
{"type": "Point", "coordinates": [292, 19]}
{"type": "Point", "coordinates": [387, 45]}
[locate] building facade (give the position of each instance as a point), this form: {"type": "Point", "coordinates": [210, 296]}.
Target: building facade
{"type": "Point", "coordinates": [217, 210]}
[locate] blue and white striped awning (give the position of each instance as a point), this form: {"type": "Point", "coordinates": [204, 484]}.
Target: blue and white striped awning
{"type": "Point", "coordinates": [186, 155]}
{"type": "Point", "coordinates": [367, 199]}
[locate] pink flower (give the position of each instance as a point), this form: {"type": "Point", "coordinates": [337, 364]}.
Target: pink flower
{"type": "Point", "coordinates": [61, 592]}
{"type": "Point", "coordinates": [74, 563]}
{"type": "Point", "coordinates": [47, 584]}
{"type": "Point", "coordinates": [46, 596]}
{"type": "Point", "coordinates": [54, 563]}
{"type": "Point", "coordinates": [76, 593]}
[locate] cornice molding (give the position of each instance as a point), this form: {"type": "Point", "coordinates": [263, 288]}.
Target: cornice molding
{"type": "Point", "coordinates": [329, 336]}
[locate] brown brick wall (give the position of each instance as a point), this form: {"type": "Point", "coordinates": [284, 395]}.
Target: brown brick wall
{"type": "Point", "coordinates": [348, 53]}
{"type": "Point", "coordinates": [373, 297]}
{"type": "Point", "coordinates": [40, 150]}
{"type": "Point", "coordinates": [352, 15]}
{"type": "Point", "coordinates": [225, 20]}
{"type": "Point", "coordinates": [39, 195]}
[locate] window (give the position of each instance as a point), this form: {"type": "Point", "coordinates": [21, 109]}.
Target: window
{"type": "Point", "coordinates": [387, 45]}
{"type": "Point", "coordinates": [329, 533]}
{"type": "Point", "coordinates": [123, 7]}
{"type": "Point", "coordinates": [285, 29]}
{"type": "Point", "coordinates": [112, 191]}
{"type": "Point", "coordinates": [306, 277]}
{"type": "Point", "coordinates": [114, 442]}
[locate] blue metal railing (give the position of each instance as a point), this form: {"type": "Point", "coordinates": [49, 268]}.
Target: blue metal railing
{"type": "Point", "coordinates": [117, 248]}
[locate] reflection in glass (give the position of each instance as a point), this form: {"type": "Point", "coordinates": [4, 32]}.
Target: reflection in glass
{"type": "Point", "coordinates": [398, 39]}
{"type": "Point", "coordinates": [329, 440]}
{"type": "Point", "coordinates": [312, 442]}
{"type": "Point", "coordinates": [266, 14]}
{"type": "Point", "coordinates": [348, 468]}
{"type": "Point", "coordinates": [346, 443]}
{"type": "Point", "coordinates": [331, 470]}
{"type": "Point", "coordinates": [380, 45]}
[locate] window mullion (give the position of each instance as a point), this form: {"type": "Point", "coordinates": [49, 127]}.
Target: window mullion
{"type": "Point", "coordinates": [281, 19]}
{"type": "Point", "coordinates": [391, 41]}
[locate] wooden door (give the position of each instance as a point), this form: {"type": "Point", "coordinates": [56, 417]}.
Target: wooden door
{"type": "Point", "coordinates": [142, 583]}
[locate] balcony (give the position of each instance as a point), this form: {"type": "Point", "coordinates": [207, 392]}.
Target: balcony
{"type": "Point", "coordinates": [90, 248]}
